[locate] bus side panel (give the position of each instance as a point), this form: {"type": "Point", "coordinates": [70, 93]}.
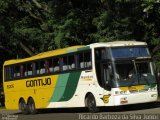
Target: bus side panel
{"type": "Point", "coordinates": [73, 91]}
{"type": "Point", "coordinates": [11, 95]}
{"type": "Point", "coordinates": [44, 94]}
{"type": "Point", "coordinates": [41, 93]}
{"type": "Point", "coordinates": [65, 87]}
{"type": "Point", "coordinates": [11, 100]}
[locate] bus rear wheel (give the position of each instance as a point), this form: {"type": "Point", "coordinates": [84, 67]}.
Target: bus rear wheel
{"type": "Point", "coordinates": [23, 107]}
{"type": "Point", "coordinates": [31, 106]}
{"type": "Point", "coordinates": [91, 103]}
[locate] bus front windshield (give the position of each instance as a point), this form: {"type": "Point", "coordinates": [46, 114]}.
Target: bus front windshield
{"type": "Point", "coordinates": [134, 72]}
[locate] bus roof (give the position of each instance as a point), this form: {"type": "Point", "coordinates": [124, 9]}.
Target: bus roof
{"type": "Point", "coordinates": [47, 54]}
{"type": "Point", "coordinates": [75, 48]}
{"type": "Point", "coordinates": [118, 44]}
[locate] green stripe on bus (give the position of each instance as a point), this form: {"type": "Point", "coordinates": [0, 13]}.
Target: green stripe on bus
{"type": "Point", "coordinates": [73, 50]}
{"type": "Point", "coordinates": [150, 86]}
{"type": "Point", "coordinates": [83, 48]}
{"type": "Point", "coordinates": [71, 86]}
{"type": "Point", "coordinates": [78, 49]}
{"type": "Point", "coordinates": [60, 87]}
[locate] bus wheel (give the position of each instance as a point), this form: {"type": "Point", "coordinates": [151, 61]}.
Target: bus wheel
{"type": "Point", "coordinates": [31, 106]}
{"type": "Point", "coordinates": [91, 103]}
{"type": "Point", "coordinates": [23, 107]}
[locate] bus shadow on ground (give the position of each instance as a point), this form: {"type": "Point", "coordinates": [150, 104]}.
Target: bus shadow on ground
{"type": "Point", "coordinates": [102, 109]}
{"type": "Point", "coordinates": [135, 107]}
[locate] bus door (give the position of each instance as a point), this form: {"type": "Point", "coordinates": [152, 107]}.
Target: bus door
{"type": "Point", "coordinates": [102, 68]}
{"type": "Point", "coordinates": [106, 71]}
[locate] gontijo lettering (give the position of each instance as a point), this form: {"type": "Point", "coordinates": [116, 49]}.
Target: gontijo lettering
{"type": "Point", "coordinates": [38, 82]}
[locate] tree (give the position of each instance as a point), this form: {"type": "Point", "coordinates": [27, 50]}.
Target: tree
{"type": "Point", "coordinates": [28, 27]}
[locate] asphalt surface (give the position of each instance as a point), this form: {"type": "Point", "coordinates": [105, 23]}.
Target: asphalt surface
{"type": "Point", "coordinates": [131, 112]}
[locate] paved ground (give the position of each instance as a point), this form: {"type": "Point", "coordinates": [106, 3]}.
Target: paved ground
{"type": "Point", "coordinates": [132, 112]}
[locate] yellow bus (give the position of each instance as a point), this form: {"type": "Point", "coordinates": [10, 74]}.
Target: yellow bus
{"type": "Point", "coordinates": [96, 75]}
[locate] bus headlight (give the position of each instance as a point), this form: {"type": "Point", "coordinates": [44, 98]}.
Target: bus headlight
{"type": "Point", "coordinates": [154, 95]}
{"type": "Point", "coordinates": [153, 89]}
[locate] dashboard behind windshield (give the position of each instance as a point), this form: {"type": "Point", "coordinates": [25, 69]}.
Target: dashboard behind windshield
{"type": "Point", "coordinates": [132, 72]}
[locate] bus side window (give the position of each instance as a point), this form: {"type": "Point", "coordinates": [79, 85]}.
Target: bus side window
{"type": "Point", "coordinates": [23, 70]}
{"type": "Point", "coordinates": [64, 63]}
{"type": "Point", "coordinates": [37, 71]}
{"type": "Point", "coordinates": [80, 60]}
{"type": "Point", "coordinates": [12, 72]}
{"type": "Point", "coordinates": [84, 60]}
{"type": "Point", "coordinates": [7, 73]}
{"type": "Point", "coordinates": [56, 64]}
{"type": "Point", "coordinates": [49, 66]}
{"type": "Point", "coordinates": [71, 62]}
{"type": "Point", "coordinates": [87, 59]}
{"type": "Point", "coordinates": [29, 69]}
{"type": "Point", "coordinates": [17, 71]}
{"type": "Point", "coordinates": [42, 67]}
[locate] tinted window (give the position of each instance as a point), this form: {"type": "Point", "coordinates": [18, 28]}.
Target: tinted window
{"type": "Point", "coordinates": [56, 64]}
{"type": "Point", "coordinates": [84, 60]}
{"type": "Point", "coordinates": [123, 52]}
{"type": "Point", "coordinates": [29, 69]}
{"type": "Point", "coordinates": [42, 66]}
{"type": "Point", "coordinates": [16, 71]}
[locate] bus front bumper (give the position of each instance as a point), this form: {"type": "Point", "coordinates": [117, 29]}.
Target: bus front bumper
{"type": "Point", "coordinates": [135, 98]}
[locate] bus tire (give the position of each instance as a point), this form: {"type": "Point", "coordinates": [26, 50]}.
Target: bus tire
{"type": "Point", "coordinates": [23, 107]}
{"type": "Point", "coordinates": [31, 106]}
{"type": "Point", "coordinates": [91, 103]}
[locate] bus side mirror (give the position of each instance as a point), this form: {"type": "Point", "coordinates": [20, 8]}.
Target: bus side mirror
{"type": "Point", "coordinates": [157, 74]}
{"type": "Point", "coordinates": [156, 69]}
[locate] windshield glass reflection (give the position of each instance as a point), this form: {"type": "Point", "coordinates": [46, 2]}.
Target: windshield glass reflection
{"type": "Point", "coordinates": [132, 72]}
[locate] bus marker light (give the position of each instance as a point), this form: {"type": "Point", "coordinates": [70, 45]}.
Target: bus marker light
{"type": "Point", "coordinates": [154, 95]}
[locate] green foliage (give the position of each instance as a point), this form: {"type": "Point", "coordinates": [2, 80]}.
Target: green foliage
{"type": "Point", "coordinates": [52, 24]}
{"type": "Point", "coordinates": [43, 25]}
